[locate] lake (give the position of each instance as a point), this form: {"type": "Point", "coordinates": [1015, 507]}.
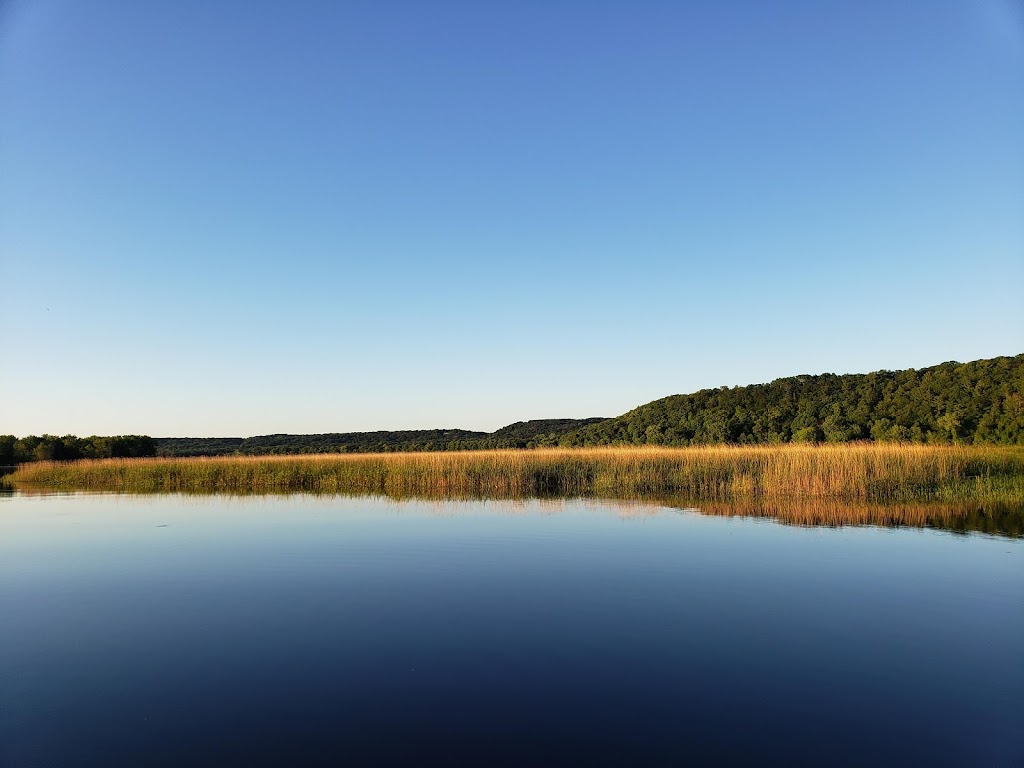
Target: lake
{"type": "Point", "coordinates": [210, 630]}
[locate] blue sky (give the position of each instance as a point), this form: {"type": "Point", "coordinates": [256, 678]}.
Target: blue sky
{"type": "Point", "coordinates": [245, 218]}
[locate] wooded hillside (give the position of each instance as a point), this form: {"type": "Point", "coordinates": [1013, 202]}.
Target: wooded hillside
{"type": "Point", "coordinates": [978, 402]}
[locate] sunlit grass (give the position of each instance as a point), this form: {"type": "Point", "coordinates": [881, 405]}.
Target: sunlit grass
{"type": "Point", "coordinates": [865, 472]}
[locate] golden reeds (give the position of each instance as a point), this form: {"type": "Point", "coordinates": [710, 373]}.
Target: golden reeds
{"type": "Point", "coordinates": [864, 472]}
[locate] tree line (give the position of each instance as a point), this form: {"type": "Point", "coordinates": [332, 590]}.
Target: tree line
{"type": "Point", "coordinates": [977, 402]}
{"type": "Point", "coordinates": [522, 434]}
{"type": "Point", "coordinates": [15, 450]}
{"type": "Point", "coordinates": [537, 433]}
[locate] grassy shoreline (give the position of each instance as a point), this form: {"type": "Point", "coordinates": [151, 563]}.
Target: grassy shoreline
{"type": "Point", "coordinates": [868, 472]}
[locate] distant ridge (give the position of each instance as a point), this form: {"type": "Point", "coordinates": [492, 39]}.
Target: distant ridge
{"type": "Point", "coordinates": [976, 402]}
{"type": "Point", "coordinates": [522, 434]}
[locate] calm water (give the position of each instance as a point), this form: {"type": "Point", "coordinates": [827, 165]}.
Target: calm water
{"type": "Point", "coordinates": [282, 631]}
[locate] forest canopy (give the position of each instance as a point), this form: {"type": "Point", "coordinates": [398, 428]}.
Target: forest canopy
{"type": "Point", "coordinates": [978, 402]}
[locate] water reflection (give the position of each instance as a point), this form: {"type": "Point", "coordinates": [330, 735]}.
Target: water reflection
{"type": "Point", "coordinates": [996, 518]}
{"type": "Point", "coordinates": [290, 630]}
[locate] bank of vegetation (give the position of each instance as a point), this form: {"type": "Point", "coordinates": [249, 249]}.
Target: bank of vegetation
{"type": "Point", "coordinates": [858, 472]}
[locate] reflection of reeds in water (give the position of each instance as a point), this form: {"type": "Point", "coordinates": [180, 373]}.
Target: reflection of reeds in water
{"type": "Point", "coordinates": [864, 472]}
{"type": "Point", "coordinates": [995, 518]}
{"type": "Point", "coordinates": [980, 515]}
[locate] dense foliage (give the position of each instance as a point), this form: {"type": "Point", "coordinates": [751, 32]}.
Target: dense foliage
{"type": "Point", "coordinates": [197, 446]}
{"type": "Point", "coordinates": [978, 402]}
{"type": "Point", "coordinates": [15, 450]}
{"type": "Point", "coordinates": [538, 433]}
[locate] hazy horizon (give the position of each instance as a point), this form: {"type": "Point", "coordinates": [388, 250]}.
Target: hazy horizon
{"type": "Point", "coordinates": [221, 220]}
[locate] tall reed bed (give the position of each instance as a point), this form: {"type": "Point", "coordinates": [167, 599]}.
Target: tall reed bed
{"type": "Point", "coordinates": [865, 472]}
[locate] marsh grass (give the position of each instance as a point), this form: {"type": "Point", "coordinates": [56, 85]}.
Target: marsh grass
{"type": "Point", "coordinates": [852, 472]}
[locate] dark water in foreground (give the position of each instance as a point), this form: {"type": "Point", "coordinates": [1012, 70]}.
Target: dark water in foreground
{"type": "Point", "coordinates": [286, 631]}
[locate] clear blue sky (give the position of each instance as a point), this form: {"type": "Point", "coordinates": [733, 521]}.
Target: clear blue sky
{"type": "Point", "coordinates": [239, 218]}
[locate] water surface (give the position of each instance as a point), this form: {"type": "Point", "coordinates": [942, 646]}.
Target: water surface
{"type": "Point", "coordinates": [170, 630]}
